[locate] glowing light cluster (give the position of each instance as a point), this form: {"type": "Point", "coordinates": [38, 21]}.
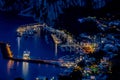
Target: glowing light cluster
{"type": "Point", "coordinates": [89, 47]}
{"type": "Point", "coordinates": [9, 51]}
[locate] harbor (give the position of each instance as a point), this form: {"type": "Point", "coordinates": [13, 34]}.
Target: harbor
{"type": "Point", "coordinates": [38, 50]}
{"type": "Point", "coordinates": [84, 54]}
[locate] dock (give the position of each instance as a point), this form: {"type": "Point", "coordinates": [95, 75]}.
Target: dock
{"type": "Point", "coordinates": [7, 54]}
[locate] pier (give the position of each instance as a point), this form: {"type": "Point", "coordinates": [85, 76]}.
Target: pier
{"type": "Point", "coordinates": [56, 42]}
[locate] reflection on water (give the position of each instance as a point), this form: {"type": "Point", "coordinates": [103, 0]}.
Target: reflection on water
{"type": "Point", "coordinates": [10, 66]}
{"type": "Point", "coordinates": [25, 67]}
{"type": "Point", "coordinates": [18, 42]}
{"type": "Point", "coordinates": [56, 51]}
{"type": "Point", "coordinates": [17, 64]}
{"type": "Point", "coordinates": [36, 40]}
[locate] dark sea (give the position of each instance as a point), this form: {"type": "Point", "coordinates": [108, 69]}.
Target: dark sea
{"type": "Point", "coordinates": [9, 70]}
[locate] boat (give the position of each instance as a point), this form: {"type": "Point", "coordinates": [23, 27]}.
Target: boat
{"type": "Point", "coordinates": [26, 54]}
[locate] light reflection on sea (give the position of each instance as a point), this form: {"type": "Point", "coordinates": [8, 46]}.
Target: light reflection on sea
{"type": "Point", "coordinates": [9, 70]}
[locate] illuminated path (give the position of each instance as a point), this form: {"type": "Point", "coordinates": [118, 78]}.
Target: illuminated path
{"type": "Point", "coordinates": [7, 54]}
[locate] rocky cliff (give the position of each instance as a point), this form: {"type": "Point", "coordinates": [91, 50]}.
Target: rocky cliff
{"type": "Point", "coordinates": [48, 10]}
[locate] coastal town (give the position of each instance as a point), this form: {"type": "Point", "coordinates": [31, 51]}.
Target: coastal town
{"type": "Point", "coordinates": [92, 55]}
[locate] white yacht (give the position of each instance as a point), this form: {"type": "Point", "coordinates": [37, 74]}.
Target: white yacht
{"type": "Point", "coordinates": [26, 54]}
